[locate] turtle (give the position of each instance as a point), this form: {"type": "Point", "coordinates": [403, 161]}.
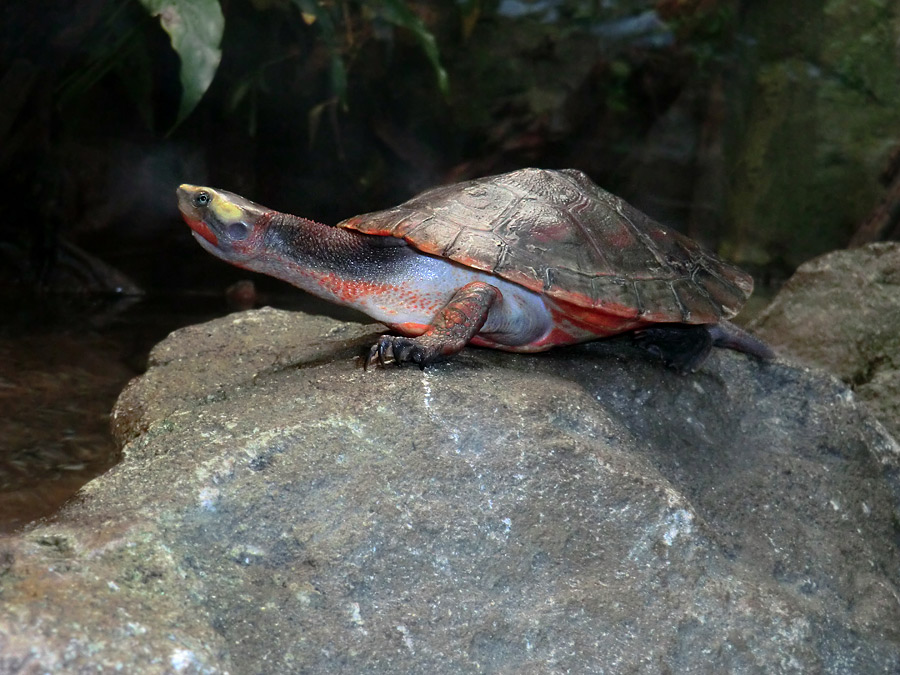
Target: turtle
{"type": "Point", "coordinates": [522, 261]}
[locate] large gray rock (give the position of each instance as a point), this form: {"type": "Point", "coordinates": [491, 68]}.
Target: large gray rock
{"type": "Point", "coordinates": [280, 510]}
{"type": "Point", "coordinates": [841, 312]}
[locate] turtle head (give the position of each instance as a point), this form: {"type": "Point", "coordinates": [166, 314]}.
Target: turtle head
{"type": "Point", "coordinates": [227, 225]}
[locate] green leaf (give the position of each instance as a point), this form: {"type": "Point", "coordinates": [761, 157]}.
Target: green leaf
{"type": "Point", "coordinates": [471, 12]}
{"type": "Point", "coordinates": [317, 14]}
{"type": "Point", "coordinates": [399, 14]}
{"type": "Point", "coordinates": [339, 77]}
{"type": "Point", "coordinates": [195, 28]}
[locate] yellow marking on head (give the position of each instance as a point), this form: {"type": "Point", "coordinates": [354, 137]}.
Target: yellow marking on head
{"type": "Point", "coordinates": [226, 211]}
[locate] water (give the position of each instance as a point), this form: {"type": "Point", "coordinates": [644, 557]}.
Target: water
{"type": "Point", "coordinates": [62, 365]}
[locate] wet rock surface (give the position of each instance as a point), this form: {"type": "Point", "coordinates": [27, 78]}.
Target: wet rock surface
{"type": "Point", "coordinates": [281, 510]}
{"type": "Point", "coordinates": [841, 312]}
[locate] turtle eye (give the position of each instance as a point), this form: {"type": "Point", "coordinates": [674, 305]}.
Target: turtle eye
{"type": "Point", "coordinates": [238, 231]}
{"type": "Point", "coordinates": [201, 198]}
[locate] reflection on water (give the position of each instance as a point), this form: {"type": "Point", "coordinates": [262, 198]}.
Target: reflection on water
{"type": "Point", "coordinates": [56, 391]}
{"type": "Point", "coordinates": [61, 369]}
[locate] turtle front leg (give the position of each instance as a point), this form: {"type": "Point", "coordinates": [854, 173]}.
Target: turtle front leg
{"type": "Point", "coordinates": [451, 330]}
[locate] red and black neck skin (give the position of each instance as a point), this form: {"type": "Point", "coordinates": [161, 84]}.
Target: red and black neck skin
{"type": "Point", "coordinates": [288, 247]}
{"type": "Point", "coordinates": [308, 246]}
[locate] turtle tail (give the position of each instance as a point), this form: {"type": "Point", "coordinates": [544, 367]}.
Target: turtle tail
{"type": "Point", "coordinates": [685, 347]}
{"type": "Point", "coordinates": [726, 334]}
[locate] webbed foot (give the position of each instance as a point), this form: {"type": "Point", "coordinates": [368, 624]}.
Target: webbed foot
{"type": "Point", "coordinates": [399, 350]}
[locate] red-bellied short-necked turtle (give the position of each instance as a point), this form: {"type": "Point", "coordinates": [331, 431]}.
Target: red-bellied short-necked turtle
{"type": "Point", "coordinates": [522, 261]}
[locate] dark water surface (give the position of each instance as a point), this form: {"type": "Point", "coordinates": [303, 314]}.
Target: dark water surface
{"type": "Point", "coordinates": [63, 362]}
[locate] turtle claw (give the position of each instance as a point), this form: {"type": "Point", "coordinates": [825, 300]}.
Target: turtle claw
{"type": "Point", "coordinates": [398, 350]}
{"type": "Point", "coordinates": [380, 354]}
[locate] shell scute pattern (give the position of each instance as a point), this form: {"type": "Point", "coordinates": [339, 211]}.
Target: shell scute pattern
{"type": "Point", "coordinates": [556, 232]}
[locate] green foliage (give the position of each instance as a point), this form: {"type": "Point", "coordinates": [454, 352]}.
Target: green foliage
{"type": "Point", "coordinates": [329, 17]}
{"type": "Point", "coordinates": [397, 13]}
{"type": "Point", "coordinates": [114, 44]}
{"type": "Point", "coordinates": [195, 28]}
{"type": "Point", "coordinates": [119, 45]}
{"type": "Point", "coordinates": [317, 13]}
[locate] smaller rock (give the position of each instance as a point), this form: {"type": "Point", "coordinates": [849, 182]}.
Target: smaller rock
{"type": "Point", "coordinates": [841, 312]}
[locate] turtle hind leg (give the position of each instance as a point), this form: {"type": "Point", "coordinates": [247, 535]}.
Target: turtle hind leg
{"type": "Point", "coordinates": [682, 347]}
{"type": "Point", "coordinates": [685, 347]}
{"type": "Point", "coordinates": [451, 330]}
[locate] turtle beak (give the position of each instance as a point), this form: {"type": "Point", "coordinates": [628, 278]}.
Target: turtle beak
{"type": "Point", "coordinates": [194, 215]}
{"type": "Point", "coordinates": [184, 193]}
